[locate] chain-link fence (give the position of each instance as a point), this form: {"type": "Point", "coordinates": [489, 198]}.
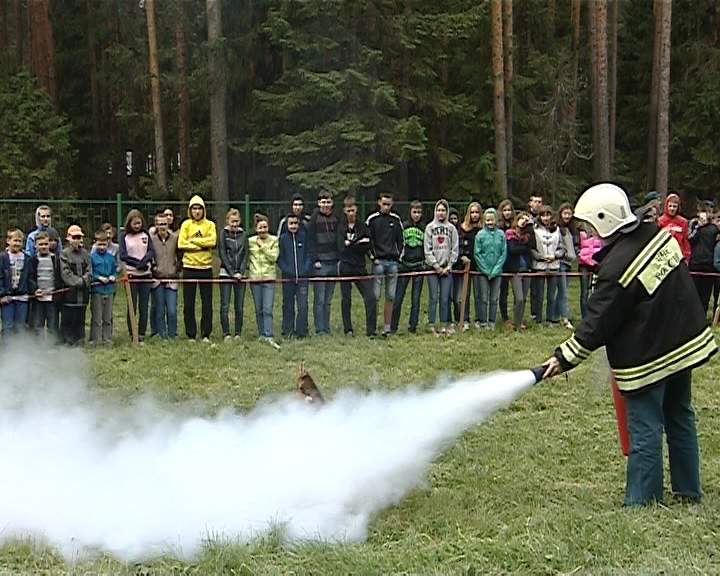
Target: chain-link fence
{"type": "Point", "coordinates": [91, 214]}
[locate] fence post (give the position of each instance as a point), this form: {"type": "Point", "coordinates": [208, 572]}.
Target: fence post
{"type": "Point", "coordinates": [248, 223]}
{"type": "Point", "coordinates": [118, 211]}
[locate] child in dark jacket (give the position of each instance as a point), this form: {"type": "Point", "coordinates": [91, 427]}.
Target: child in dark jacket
{"type": "Point", "coordinates": [412, 260]}
{"type": "Point", "coordinates": [353, 245]}
{"type": "Point", "coordinates": [44, 285]}
{"type": "Point", "coordinates": [75, 270]}
{"type": "Point", "coordinates": [104, 271]}
{"type": "Point", "coordinates": [295, 264]}
{"type": "Point", "coordinates": [518, 264]}
{"type": "Point", "coordinates": [14, 289]}
{"type": "Point", "coordinates": [233, 250]}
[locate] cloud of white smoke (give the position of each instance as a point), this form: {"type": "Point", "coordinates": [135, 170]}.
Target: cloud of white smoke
{"type": "Point", "coordinates": [141, 480]}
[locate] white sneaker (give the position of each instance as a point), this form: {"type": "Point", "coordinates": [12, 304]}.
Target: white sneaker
{"type": "Point", "coordinates": [444, 331]}
{"type": "Point", "coordinates": [237, 336]}
{"type": "Point", "coordinates": [450, 330]}
{"type": "Point", "coordinates": [227, 338]}
{"type": "Point", "coordinates": [272, 343]}
{"type": "Point", "coordinates": [478, 325]}
{"type": "Point", "coordinates": [466, 326]}
{"type": "Point", "coordinates": [567, 324]}
{"type": "Point", "coordinates": [206, 340]}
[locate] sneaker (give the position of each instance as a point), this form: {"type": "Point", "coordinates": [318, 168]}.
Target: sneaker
{"type": "Point", "coordinates": [509, 325]}
{"type": "Point", "coordinates": [272, 343]}
{"type": "Point", "coordinates": [227, 338]}
{"type": "Point", "coordinates": [237, 336]}
{"type": "Point", "coordinates": [466, 326]}
{"type": "Point", "coordinates": [523, 327]}
{"type": "Point", "coordinates": [477, 325]}
{"type": "Point", "coordinates": [485, 325]}
{"type": "Point", "coordinates": [444, 331]}
{"type": "Point", "coordinates": [350, 334]}
{"type": "Point", "coordinates": [567, 324]}
{"type": "Point", "coordinates": [450, 330]}
{"type": "Point", "coordinates": [385, 333]}
{"type": "Point", "coordinates": [206, 340]}
{"type": "Point", "coordinates": [434, 330]}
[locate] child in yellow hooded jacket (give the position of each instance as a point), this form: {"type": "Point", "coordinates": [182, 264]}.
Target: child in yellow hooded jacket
{"type": "Point", "coordinates": [197, 240]}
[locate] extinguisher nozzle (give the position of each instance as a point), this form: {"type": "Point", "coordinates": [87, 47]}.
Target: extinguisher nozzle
{"type": "Point", "coordinates": [538, 372]}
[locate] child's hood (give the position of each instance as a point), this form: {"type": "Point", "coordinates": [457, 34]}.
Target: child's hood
{"type": "Point", "coordinates": [441, 202]}
{"type": "Point", "coordinates": [196, 200]}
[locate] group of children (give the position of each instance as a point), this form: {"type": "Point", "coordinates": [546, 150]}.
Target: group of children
{"type": "Point", "coordinates": [48, 287]}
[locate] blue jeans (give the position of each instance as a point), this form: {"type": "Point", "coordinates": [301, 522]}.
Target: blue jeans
{"type": "Point", "coordinates": [165, 311]}
{"type": "Point", "coordinates": [388, 269]}
{"type": "Point", "coordinates": [14, 315]}
{"type": "Point", "coordinates": [561, 300]}
{"type": "Point", "coordinates": [322, 296]}
{"type": "Point", "coordinates": [295, 293]}
{"type": "Point", "coordinates": [237, 291]}
{"type": "Point", "coordinates": [540, 282]}
{"type": "Point", "coordinates": [402, 284]}
{"type": "Point", "coordinates": [440, 288]}
{"type": "Point", "coordinates": [667, 405]}
{"type": "Point", "coordinates": [264, 296]}
{"type": "Point", "coordinates": [489, 296]}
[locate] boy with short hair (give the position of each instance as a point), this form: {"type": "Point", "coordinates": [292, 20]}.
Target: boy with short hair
{"type": "Point", "coordinates": [165, 271]}
{"type": "Point", "coordinates": [322, 244]}
{"type": "Point", "coordinates": [386, 246]}
{"type": "Point", "coordinates": [104, 271]}
{"type": "Point", "coordinates": [14, 274]}
{"type": "Point", "coordinates": [353, 245]}
{"type": "Point", "coordinates": [44, 281]}
{"type": "Point", "coordinates": [295, 265]}
{"type": "Point", "coordinates": [413, 260]}
{"type": "Point", "coordinates": [77, 276]}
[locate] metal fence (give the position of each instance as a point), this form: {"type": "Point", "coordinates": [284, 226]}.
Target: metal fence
{"type": "Point", "coordinates": [91, 214]}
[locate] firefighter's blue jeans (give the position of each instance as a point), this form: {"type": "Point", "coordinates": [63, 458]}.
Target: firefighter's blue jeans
{"type": "Point", "coordinates": [664, 406]}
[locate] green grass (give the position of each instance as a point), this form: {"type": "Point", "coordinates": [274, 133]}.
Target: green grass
{"type": "Point", "coordinates": [535, 490]}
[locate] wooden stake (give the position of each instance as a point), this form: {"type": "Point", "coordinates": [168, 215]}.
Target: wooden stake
{"type": "Point", "coordinates": [131, 311]}
{"type": "Point", "coordinates": [464, 293]}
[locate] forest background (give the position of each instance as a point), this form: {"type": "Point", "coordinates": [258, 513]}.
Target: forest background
{"type": "Point", "coordinates": [464, 99]}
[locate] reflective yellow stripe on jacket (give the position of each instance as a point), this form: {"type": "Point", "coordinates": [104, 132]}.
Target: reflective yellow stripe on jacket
{"type": "Point", "coordinates": [686, 356]}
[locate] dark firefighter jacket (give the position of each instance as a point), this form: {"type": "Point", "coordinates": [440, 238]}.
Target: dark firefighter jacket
{"type": "Point", "coordinates": [645, 310]}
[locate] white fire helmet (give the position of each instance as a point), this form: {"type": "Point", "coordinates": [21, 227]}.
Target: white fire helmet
{"type": "Point", "coordinates": [606, 207]}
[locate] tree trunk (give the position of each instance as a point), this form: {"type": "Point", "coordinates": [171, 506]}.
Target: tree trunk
{"type": "Point", "coordinates": [217, 88]}
{"type": "Point", "coordinates": [508, 73]}
{"type": "Point", "coordinates": [161, 176]}
{"type": "Point", "coordinates": [654, 89]}
{"type": "Point", "coordinates": [3, 27]}
{"type": "Point", "coordinates": [575, 17]}
{"type": "Point", "coordinates": [19, 27]}
{"type": "Point", "coordinates": [498, 99]}
{"type": "Point", "coordinates": [612, 74]}
{"type": "Point", "coordinates": [601, 154]}
{"type": "Point", "coordinates": [550, 19]}
{"type": "Point", "coordinates": [41, 46]}
{"type": "Point", "coordinates": [663, 120]}
{"type": "Point", "coordinates": [442, 120]}
{"type": "Point", "coordinates": [92, 60]}
{"type": "Point", "coordinates": [183, 92]}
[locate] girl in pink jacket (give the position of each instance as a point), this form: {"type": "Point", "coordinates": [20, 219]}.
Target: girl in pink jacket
{"type": "Point", "coordinates": [590, 244]}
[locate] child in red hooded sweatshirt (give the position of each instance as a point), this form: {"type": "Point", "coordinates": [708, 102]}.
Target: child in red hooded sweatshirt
{"type": "Point", "coordinates": [675, 224]}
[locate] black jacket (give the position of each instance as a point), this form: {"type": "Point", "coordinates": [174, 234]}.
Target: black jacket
{"type": "Point", "coordinates": [353, 244]}
{"type": "Point", "coordinates": [233, 251]}
{"type": "Point", "coordinates": [386, 235]}
{"type": "Point", "coordinates": [322, 237]}
{"type": "Point", "coordinates": [645, 310]}
{"type": "Point", "coordinates": [413, 257]}
{"type": "Point", "coordinates": [702, 243]}
{"type": "Point", "coordinates": [33, 272]}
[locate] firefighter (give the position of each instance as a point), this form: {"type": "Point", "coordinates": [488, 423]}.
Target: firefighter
{"type": "Point", "coordinates": [645, 311]}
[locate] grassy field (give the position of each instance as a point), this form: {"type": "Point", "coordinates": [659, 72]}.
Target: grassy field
{"type": "Point", "coordinates": [536, 490]}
